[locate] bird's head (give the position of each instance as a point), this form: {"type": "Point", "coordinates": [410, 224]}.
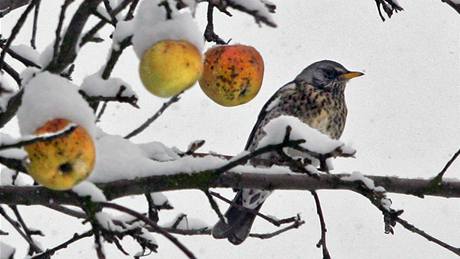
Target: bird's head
{"type": "Point", "coordinates": [327, 75]}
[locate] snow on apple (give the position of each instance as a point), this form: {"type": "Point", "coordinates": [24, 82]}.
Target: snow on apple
{"type": "Point", "coordinates": [48, 96]}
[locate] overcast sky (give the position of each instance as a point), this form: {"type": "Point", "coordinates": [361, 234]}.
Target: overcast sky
{"type": "Point", "coordinates": [403, 120]}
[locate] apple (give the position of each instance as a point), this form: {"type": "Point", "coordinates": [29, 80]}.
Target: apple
{"type": "Point", "coordinates": [61, 163]}
{"type": "Point", "coordinates": [232, 74]}
{"type": "Point", "coordinates": [170, 66]}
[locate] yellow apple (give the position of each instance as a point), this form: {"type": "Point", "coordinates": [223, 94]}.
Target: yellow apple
{"type": "Point", "coordinates": [61, 163]}
{"type": "Point", "coordinates": [170, 66]}
{"type": "Point", "coordinates": [232, 74]}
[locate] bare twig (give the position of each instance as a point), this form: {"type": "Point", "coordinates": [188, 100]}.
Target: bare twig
{"type": "Point", "coordinates": [295, 224]}
{"type": "Point", "coordinates": [214, 205]}
{"type": "Point", "coordinates": [57, 41]}
{"type": "Point", "coordinates": [322, 241]}
{"type": "Point", "coordinates": [412, 228]}
{"type": "Point", "coordinates": [147, 221]}
{"type": "Point", "coordinates": [12, 72]}
{"type": "Point", "coordinates": [455, 6]}
{"type": "Point", "coordinates": [132, 8]}
{"type": "Point", "coordinates": [16, 28]}
{"type": "Point", "coordinates": [209, 33]}
{"type": "Point", "coordinates": [52, 251]}
{"type": "Point", "coordinates": [8, 6]}
{"type": "Point", "coordinates": [16, 226]}
{"type": "Point", "coordinates": [34, 25]}
{"type": "Point", "coordinates": [155, 116]}
{"type": "Point", "coordinates": [255, 212]}
{"type": "Point", "coordinates": [67, 51]}
{"type": "Point", "coordinates": [448, 164]}
{"type": "Point", "coordinates": [110, 11]}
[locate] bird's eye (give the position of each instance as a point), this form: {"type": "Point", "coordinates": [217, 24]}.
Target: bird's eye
{"type": "Point", "coordinates": [330, 74]}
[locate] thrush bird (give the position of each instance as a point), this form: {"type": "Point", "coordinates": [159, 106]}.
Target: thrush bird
{"type": "Point", "coordinates": [316, 97]}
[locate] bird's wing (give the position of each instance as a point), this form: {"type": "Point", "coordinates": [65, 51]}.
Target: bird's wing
{"type": "Point", "coordinates": [268, 106]}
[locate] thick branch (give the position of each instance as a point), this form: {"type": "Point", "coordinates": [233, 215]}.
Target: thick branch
{"type": "Point", "coordinates": [34, 195]}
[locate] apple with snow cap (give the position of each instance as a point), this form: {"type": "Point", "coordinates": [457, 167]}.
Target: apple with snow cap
{"type": "Point", "coordinates": [232, 74]}
{"type": "Point", "coordinates": [170, 67]}
{"type": "Point", "coordinates": [61, 163]}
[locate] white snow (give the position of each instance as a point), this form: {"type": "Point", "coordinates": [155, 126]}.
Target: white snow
{"type": "Point", "coordinates": [255, 5]}
{"type": "Point", "coordinates": [312, 169]}
{"type": "Point", "coordinates": [315, 140]}
{"type": "Point", "coordinates": [95, 85]}
{"type": "Point", "coordinates": [123, 30]}
{"type": "Point", "coordinates": [27, 52]}
{"type": "Point", "coordinates": [86, 188]}
{"type": "Point", "coordinates": [106, 221]}
{"type": "Point", "coordinates": [369, 183]}
{"type": "Point", "coordinates": [152, 26]}
{"type": "Point", "coordinates": [6, 251]}
{"type": "Point", "coordinates": [48, 96]}
{"type": "Point", "coordinates": [7, 176]}
{"type": "Point", "coordinates": [158, 151]}
{"type": "Point", "coordinates": [118, 158]}
{"type": "Point", "coordinates": [6, 89]}
{"type": "Point", "coordinates": [456, 1]}
{"type": "Point", "coordinates": [159, 199]}
{"type": "Point", "coordinates": [357, 176]}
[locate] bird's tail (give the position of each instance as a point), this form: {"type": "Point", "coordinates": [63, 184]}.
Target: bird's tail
{"type": "Point", "coordinates": [238, 225]}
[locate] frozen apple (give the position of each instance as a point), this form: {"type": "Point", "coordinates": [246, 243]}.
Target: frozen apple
{"type": "Point", "coordinates": [232, 74]}
{"type": "Point", "coordinates": [63, 162]}
{"type": "Point", "coordinates": [170, 66]}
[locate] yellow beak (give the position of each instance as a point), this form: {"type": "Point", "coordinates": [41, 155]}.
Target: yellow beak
{"type": "Point", "coordinates": [350, 75]}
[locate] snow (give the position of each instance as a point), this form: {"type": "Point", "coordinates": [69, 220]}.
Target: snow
{"type": "Point", "coordinates": [357, 176]}
{"type": "Point", "coordinates": [7, 178]}
{"type": "Point", "coordinates": [106, 221]}
{"type": "Point", "coordinates": [159, 199]}
{"type": "Point", "coordinates": [158, 151]}
{"type": "Point", "coordinates": [47, 55]}
{"type": "Point", "coordinates": [6, 251]}
{"type": "Point", "coordinates": [315, 141]}
{"type": "Point", "coordinates": [312, 169]}
{"type": "Point", "coordinates": [255, 5]}
{"type": "Point", "coordinates": [27, 52]}
{"type": "Point", "coordinates": [187, 223]}
{"type": "Point", "coordinates": [152, 26]}
{"type": "Point", "coordinates": [86, 188]}
{"type": "Point", "coordinates": [6, 91]}
{"type": "Point", "coordinates": [455, 1]}
{"type": "Point", "coordinates": [118, 158]}
{"type": "Point", "coordinates": [95, 85]}
{"type": "Point", "coordinates": [123, 30]}
{"type": "Point", "coordinates": [43, 100]}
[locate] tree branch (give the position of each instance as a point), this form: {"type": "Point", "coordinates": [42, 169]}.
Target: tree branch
{"type": "Point", "coordinates": [35, 195]}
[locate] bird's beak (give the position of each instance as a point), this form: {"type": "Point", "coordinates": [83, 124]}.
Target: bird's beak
{"type": "Point", "coordinates": [350, 75]}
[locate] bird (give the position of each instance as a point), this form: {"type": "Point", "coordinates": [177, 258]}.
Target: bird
{"type": "Point", "coordinates": [316, 97]}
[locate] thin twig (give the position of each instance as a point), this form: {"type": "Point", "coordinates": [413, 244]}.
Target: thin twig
{"type": "Point", "coordinates": [146, 220]}
{"type": "Point", "coordinates": [295, 224]}
{"type": "Point", "coordinates": [47, 137]}
{"type": "Point", "coordinates": [18, 57]}
{"type": "Point", "coordinates": [255, 212]}
{"type": "Point", "coordinates": [16, 225]}
{"type": "Point", "coordinates": [110, 11]}
{"type": "Point", "coordinates": [214, 205]}
{"type": "Point", "coordinates": [132, 8]}
{"type": "Point", "coordinates": [322, 241]}
{"type": "Point", "coordinates": [16, 28]}
{"type": "Point", "coordinates": [412, 228]}
{"type": "Point", "coordinates": [448, 164]}
{"type": "Point", "coordinates": [52, 251]}
{"type": "Point", "coordinates": [209, 33]}
{"type": "Point", "coordinates": [155, 116]}
{"type": "Point", "coordinates": [57, 41]}
{"type": "Point", "coordinates": [12, 72]}
{"type": "Point", "coordinates": [34, 25]}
